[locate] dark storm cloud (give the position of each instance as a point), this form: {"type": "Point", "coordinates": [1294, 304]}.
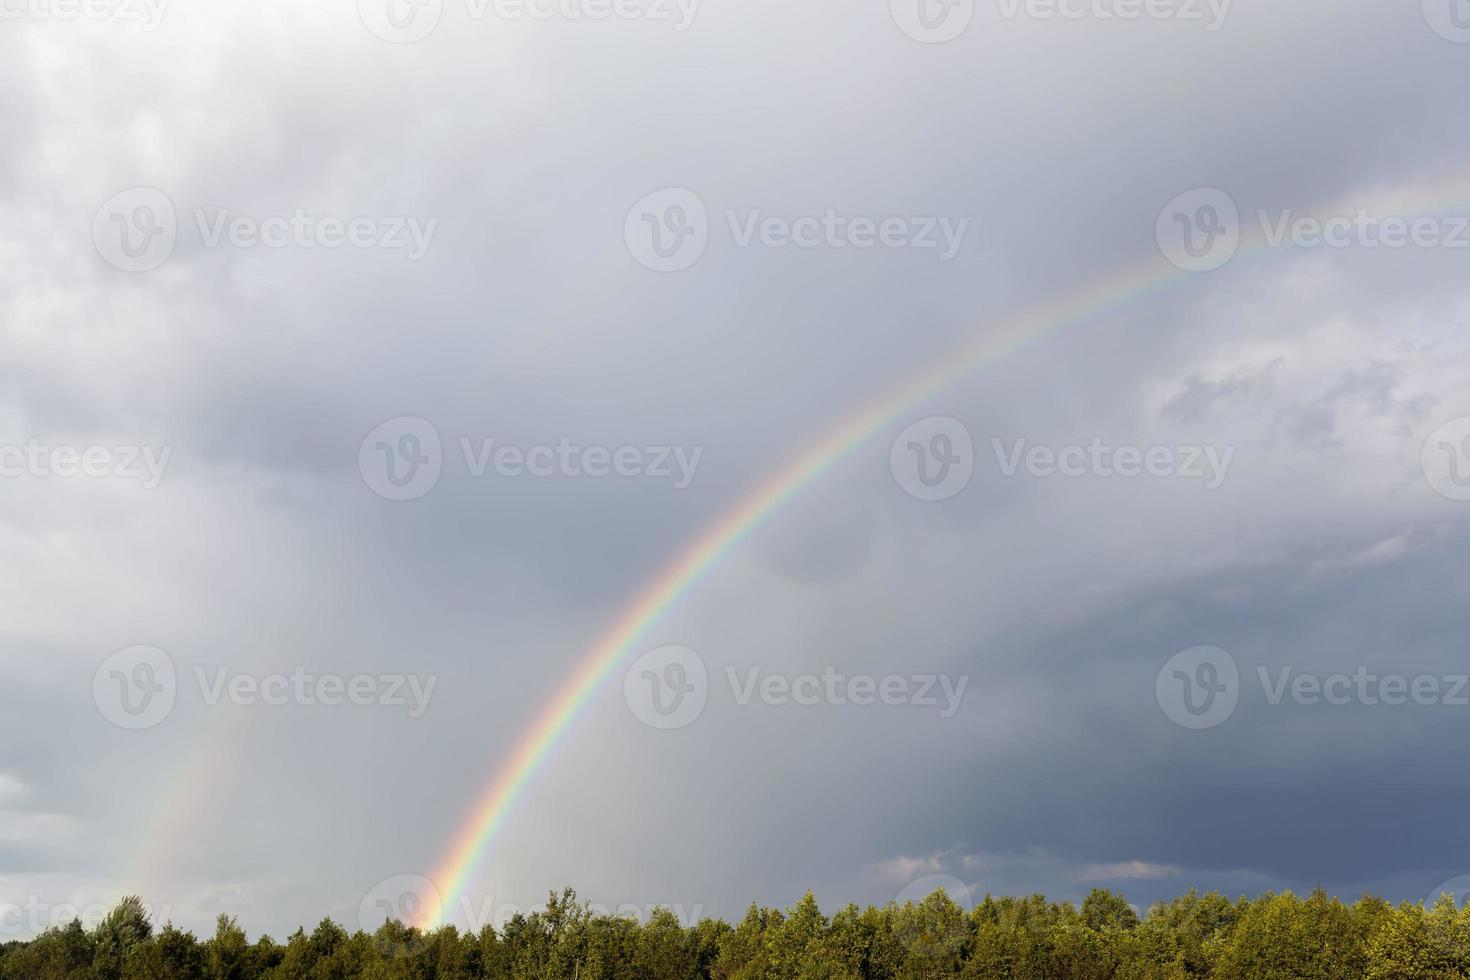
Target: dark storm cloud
{"type": "Point", "coordinates": [528, 321]}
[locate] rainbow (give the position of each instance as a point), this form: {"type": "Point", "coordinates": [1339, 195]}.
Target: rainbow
{"type": "Point", "coordinates": [498, 801]}
{"type": "Point", "coordinates": [1103, 296]}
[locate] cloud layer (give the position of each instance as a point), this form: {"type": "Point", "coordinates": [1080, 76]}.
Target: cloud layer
{"type": "Point", "coordinates": [529, 320]}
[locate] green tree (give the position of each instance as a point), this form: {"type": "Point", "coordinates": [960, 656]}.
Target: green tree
{"type": "Point", "coordinates": [1280, 936]}
{"type": "Point", "coordinates": [122, 930]}
{"type": "Point", "coordinates": [935, 933]}
{"type": "Point", "coordinates": [58, 953]}
{"type": "Point", "coordinates": [227, 955]}
{"type": "Point", "coordinates": [170, 955]}
{"type": "Point", "coordinates": [1103, 911]}
{"type": "Point", "coordinates": [1405, 947]}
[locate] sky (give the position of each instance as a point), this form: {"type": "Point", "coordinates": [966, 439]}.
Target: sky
{"type": "Point", "coordinates": [363, 363]}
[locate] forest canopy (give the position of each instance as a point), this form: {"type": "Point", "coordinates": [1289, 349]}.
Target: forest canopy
{"type": "Point", "coordinates": [1209, 936]}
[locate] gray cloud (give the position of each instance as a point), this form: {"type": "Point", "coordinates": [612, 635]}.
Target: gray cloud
{"type": "Point", "coordinates": [529, 322]}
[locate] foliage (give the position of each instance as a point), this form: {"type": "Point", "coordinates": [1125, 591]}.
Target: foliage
{"type": "Point", "coordinates": [1193, 937]}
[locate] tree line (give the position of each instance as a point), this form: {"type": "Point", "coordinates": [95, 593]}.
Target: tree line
{"type": "Point", "coordinates": [1272, 937]}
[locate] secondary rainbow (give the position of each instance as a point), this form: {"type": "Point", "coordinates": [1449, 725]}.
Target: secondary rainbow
{"type": "Point", "coordinates": [1105, 295]}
